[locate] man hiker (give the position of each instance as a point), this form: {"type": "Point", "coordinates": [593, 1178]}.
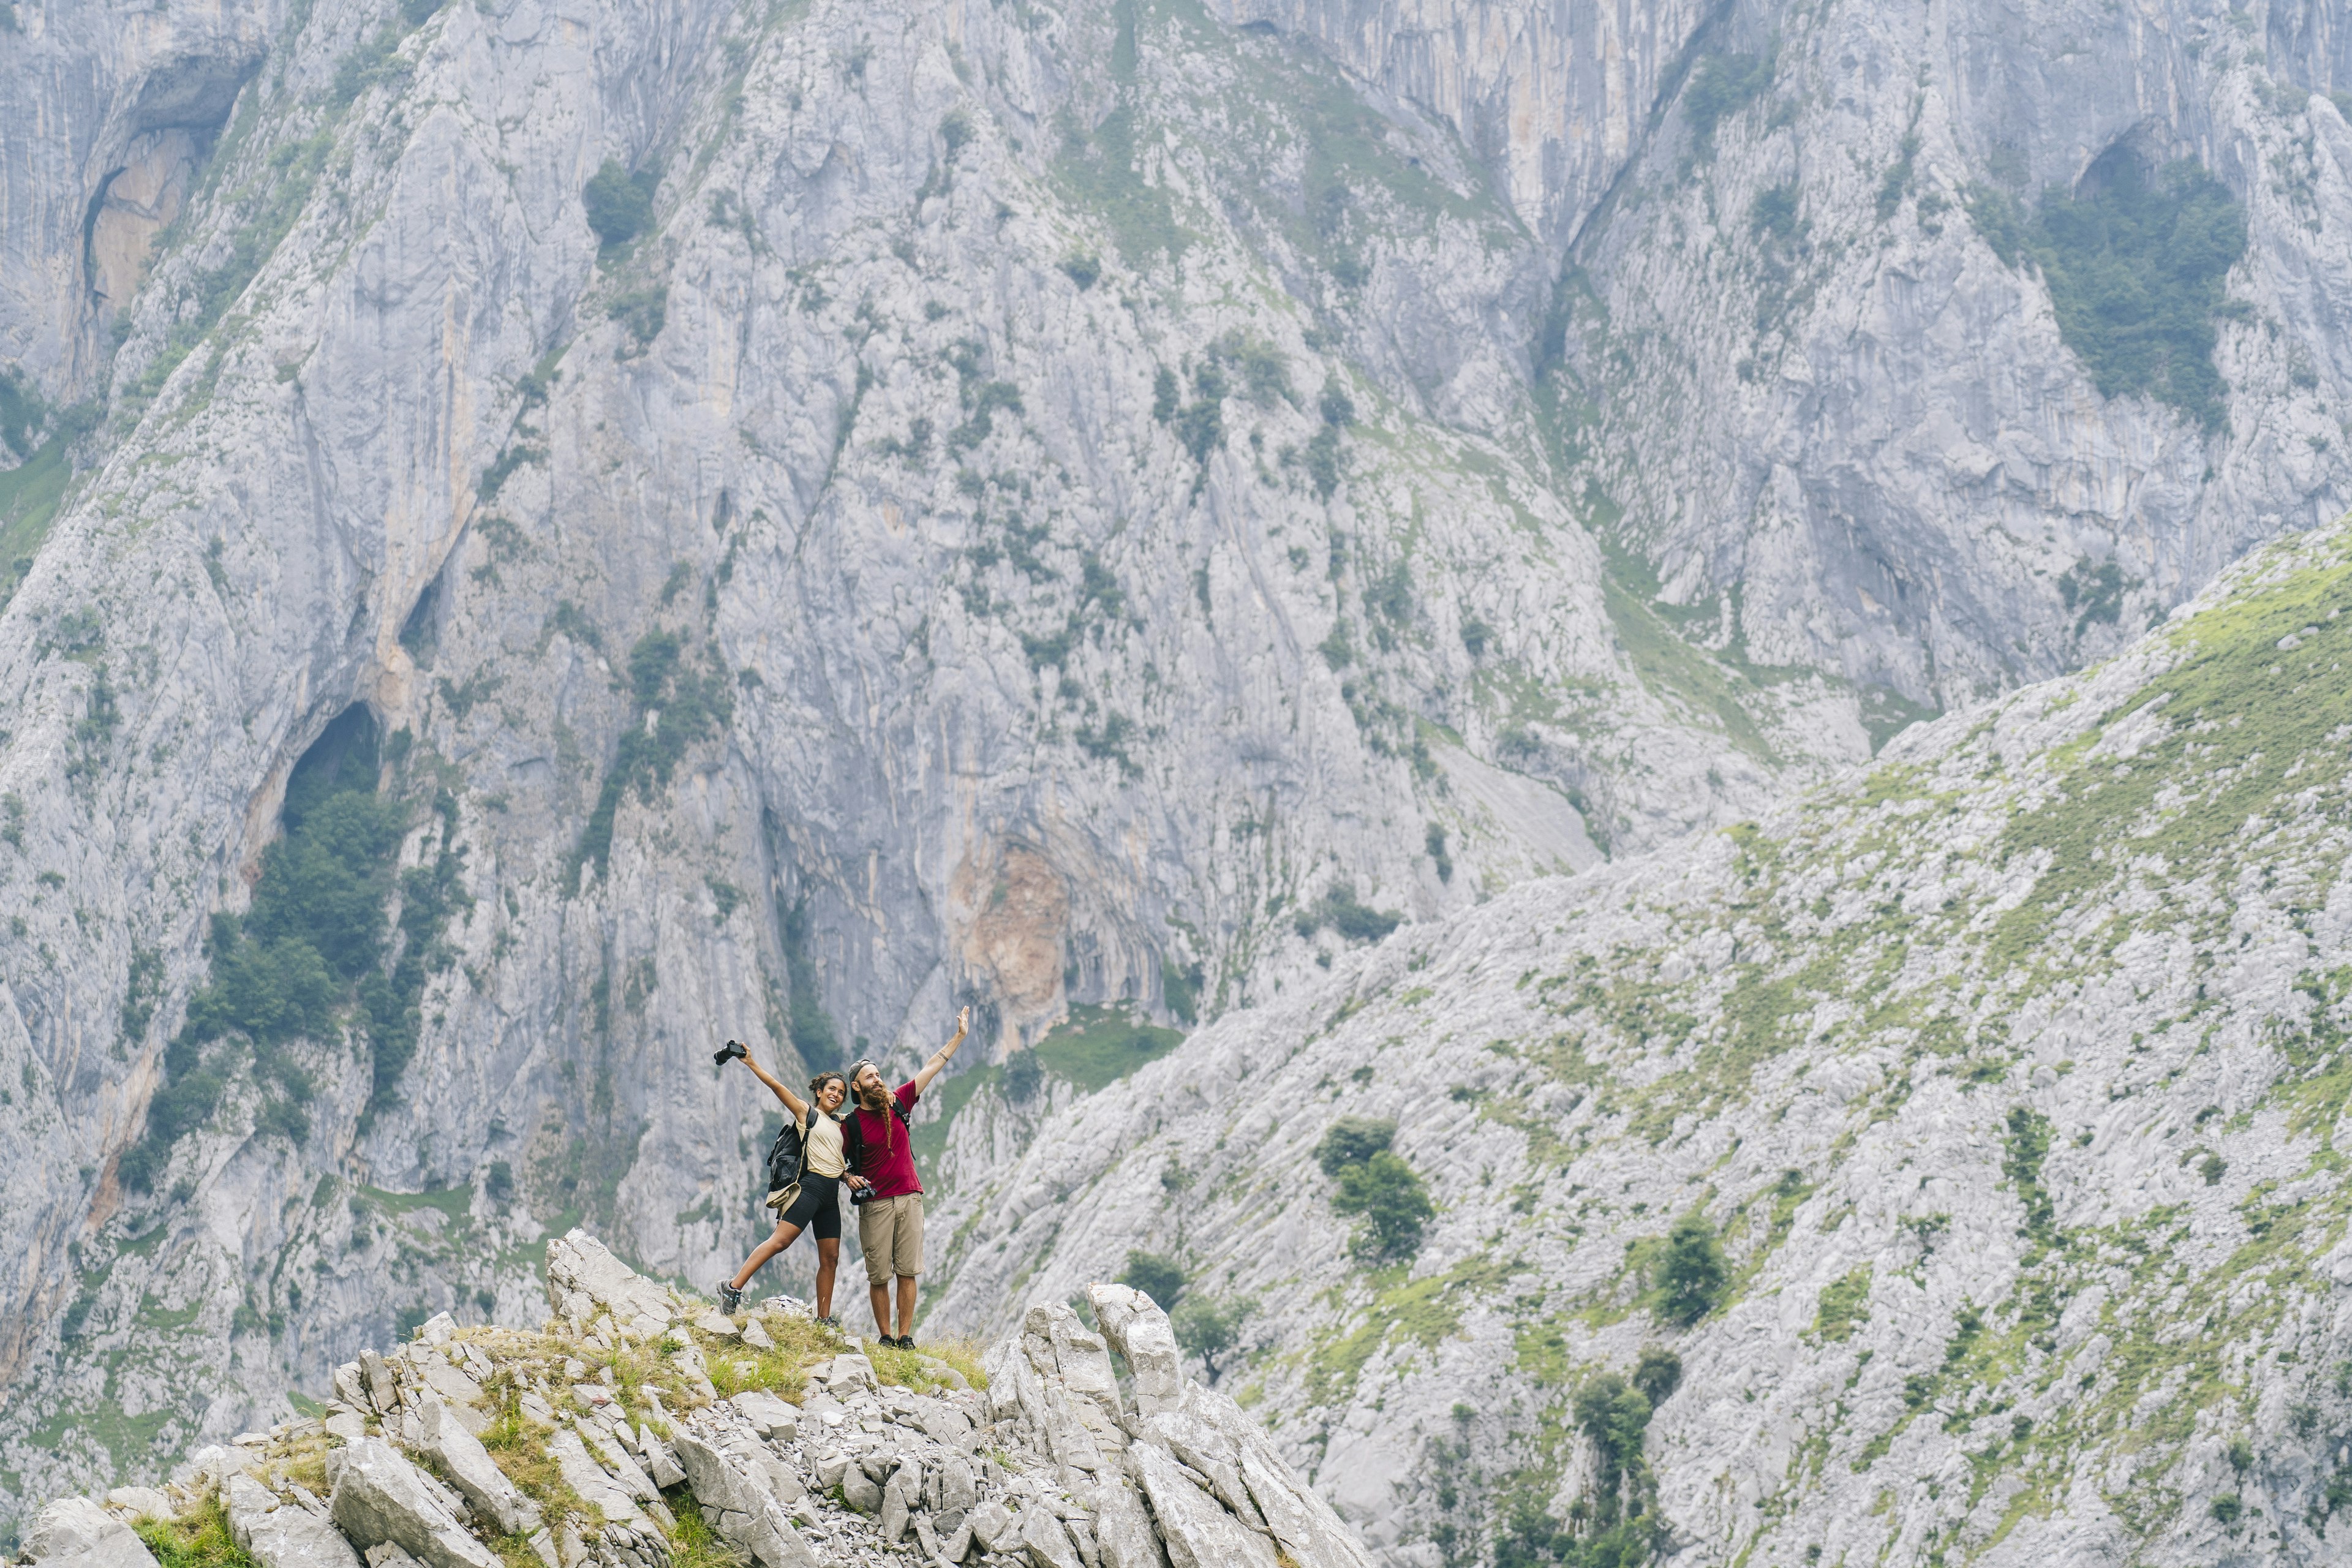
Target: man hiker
{"type": "Point", "coordinates": [888, 1196]}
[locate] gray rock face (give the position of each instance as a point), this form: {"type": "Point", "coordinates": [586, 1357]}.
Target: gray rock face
{"type": "Point", "coordinates": [282, 1535]}
{"type": "Point", "coordinates": [471, 1470]}
{"type": "Point", "coordinates": [379, 1497]}
{"type": "Point", "coordinates": [740, 1504]}
{"type": "Point", "coordinates": [75, 1532]}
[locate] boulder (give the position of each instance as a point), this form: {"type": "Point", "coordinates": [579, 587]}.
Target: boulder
{"type": "Point", "coordinates": [1073, 1353]}
{"type": "Point", "coordinates": [614, 1456]}
{"type": "Point", "coordinates": [461, 1457]}
{"type": "Point", "coordinates": [583, 1475]}
{"type": "Point", "coordinates": [1138, 1331]}
{"type": "Point", "coordinates": [1123, 1534]}
{"type": "Point", "coordinates": [281, 1535]}
{"type": "Point", "coordinates": [75, 1532]}
{"type": "Point", "coordinates": [895, 1512]}
{"type": "Point", "coordinates": [582, 1277]}
{"type": "Point", "coordinates": [1196, 1530]}
{"type": "Point", "coordinates": [379, 1497]}
{"type": "Point", "coordinates": [769, 1416]}
{"type": "Point", "coordinates": [739, 1507]}
{"type": "Point", "coordinates": [959, 1489]}
{"type": "Point", "coordinates": [859, 1491]}
{"type": "Point", "coordinates": [1047, 1544]}
{"type": "Point", "coordinates": [991, 1526]}
{"type": "Point", "coordinates": [383, 1392]}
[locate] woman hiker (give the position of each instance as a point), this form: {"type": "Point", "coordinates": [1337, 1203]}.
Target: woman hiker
{"type": "Point", "coordinates": [804, 1168]}
{"type": "Point", "coordinates": [887, 1193]}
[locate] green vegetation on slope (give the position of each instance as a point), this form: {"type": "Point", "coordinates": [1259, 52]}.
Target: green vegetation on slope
{"type": "Point", "coordinates": [2136, 271]}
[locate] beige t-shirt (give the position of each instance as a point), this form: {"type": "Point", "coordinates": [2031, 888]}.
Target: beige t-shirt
{"type": "Point", "coordinates": [825, 1157]}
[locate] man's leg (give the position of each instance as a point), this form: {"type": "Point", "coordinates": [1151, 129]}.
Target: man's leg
{"type": "Point", "coordinates": [906, 1306]}
{"type": "Point", "coordinates": [874, 1237]}
{"type": "Point", "coordinates": [906, 1260]}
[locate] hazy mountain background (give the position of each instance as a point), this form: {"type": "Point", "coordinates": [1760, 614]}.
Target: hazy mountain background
{"type": "Point", "coordinates": [541, 536]}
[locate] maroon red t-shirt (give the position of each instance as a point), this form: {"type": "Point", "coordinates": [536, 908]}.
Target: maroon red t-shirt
{"type": "Point", "coordinates": [886, 1155]}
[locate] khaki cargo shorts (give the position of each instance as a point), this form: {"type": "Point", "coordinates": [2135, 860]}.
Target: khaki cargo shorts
{"type": "Point", "coordinates": [891, 1232]}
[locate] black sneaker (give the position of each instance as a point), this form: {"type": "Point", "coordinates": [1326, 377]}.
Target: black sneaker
{"type": "Point", "coordinates": [730, 1299]}
{"type": "Point", "coordinates": [906, 1342]}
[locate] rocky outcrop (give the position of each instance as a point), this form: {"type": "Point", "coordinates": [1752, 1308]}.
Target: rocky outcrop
{"type": "Point", "coordinates": [1052, 1468]}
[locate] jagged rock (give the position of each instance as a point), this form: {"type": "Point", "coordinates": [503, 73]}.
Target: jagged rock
{"type": "Point", "coordinates": [615, 1457]}
{"type": "Point", "coordinates": [1123, 1533]}
{"type": "Point", "coordinates": [75, 1532]}
{"type": "Point", "coordinates": [757, 1337]}
{"type": "Point", "coordinates": [993, 1526]}
{"type": "Point", "coordinates": [582, 1277]}
{"type": "Point", "coordinates": [583, 1475]}
{"type": "Point", "coordinates": [1046, 1541]}
{"type": "Point", "coordinates": [1196, 1531]}
{"type": "Point", "coordinates": [894, 1512]}
{"type": "Point", "coordinates": [383, 1391]}
{"type": "Point", "coordinates": [379, 1497]}
{"type": "Point", "coordinates": [955, 1484]}
{"type": "Point", "coordinates": [1134, 1326]}
{"type": "Point", "coordinates": [471, 1470]}
{"type": "Point", "coordinates": [769, 1416]}
{"type": "Point", "coordinates": [282, 1535]}
{"type": "Point", "coordinates": [739, 1507]}
{"type": "Point", "coordinates": [859, 1491]}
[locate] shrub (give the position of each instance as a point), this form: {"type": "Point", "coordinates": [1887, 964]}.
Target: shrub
{"type": "Point", "coordinates": [1692, 1273]}
{"type": "Point", "coordinates": [1083, 270]}
{"type": "Point", "coordinates": [1721, 87]}
{"type": "Point", "coordinates": [2137, 273]}
{"type": "Point", "coordinates": [620, 205]}
{"type": "Point", "coordinates": [1387, 1192]}
{"type": "Point", "coordinates": [1161, 1278]}
{"type": "Point", "coordinates": [1208, 1330]}
{"type": "Point", "coordinates": [1659, 1373]}
{"type": "Point", "coordinates": [1024, 1076]}
{"type": "Point", "coordinates": [1342, 910]}
{"type": "Point", "coordinates": [1351, 1141]}
{"type": "Point", "coordinates": [2227, 1507]}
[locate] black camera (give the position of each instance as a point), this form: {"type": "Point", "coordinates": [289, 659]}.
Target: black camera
{"type": "Point", "coordinates": [727, 1052]}
{"type": "Point", "coordinates": [861, 1194]}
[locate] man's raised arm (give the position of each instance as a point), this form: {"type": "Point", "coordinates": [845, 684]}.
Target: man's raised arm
{"type": "Point", "coordinates": [930, 1069]}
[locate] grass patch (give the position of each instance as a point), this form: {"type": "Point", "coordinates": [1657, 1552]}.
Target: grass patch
{"type": "Point", "coordinates": [1096, 1046]}
{"type": "Point", "coordinates": [198, 1538]}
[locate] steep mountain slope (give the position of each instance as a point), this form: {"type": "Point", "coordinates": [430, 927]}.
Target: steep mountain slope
{"type": "Point", "coordinates": [1963, 1132]}
{"type": "Point", "coordinates": [1889, 378]}
{"type": "Point", "coordinates": [547, 534]}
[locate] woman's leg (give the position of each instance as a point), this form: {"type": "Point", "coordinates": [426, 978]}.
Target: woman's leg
{"type": "Point", "coordinates": [828, 1260]}
{"type": "Point", "coordinates": [786, 1232]}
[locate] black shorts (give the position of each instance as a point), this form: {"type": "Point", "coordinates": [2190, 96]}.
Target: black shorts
{"type": "Point", "coordinates": [818, 1208]}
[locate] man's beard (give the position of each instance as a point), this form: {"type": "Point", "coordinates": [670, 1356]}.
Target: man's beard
{"type": "Point", "coordinates": [873, 1099]}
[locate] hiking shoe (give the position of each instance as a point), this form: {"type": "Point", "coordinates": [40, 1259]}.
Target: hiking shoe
{"type": "Point", "coordinates": [730, 1299]}
{"type": "Point", "coordinates": [906, 1342]}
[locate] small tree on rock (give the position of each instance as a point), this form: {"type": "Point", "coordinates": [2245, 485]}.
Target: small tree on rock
{"type": "Point", "coordinates": [1691, 1274]}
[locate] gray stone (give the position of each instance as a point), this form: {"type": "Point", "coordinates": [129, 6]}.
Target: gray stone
{"type": "Point", "coordinates": [383, 1391]}
{"type": "Point", "coordinates": [75, 1532]}
{"type": "Point", "coordinates": [583, 1277]}
{"type": "Point", "coordinates": [282, 1535]}
{"type": "Point", "coordinates": [584, 1475]}
{"type": "Point", "coordinates": [1136, 1328]}
{"type": "Point", "coordinates": [1196, 1531]}
{"type": "Point", "coordinates": [471, 1470]}
{"type": "Point", "coordinates": [750, 1516]}
{"type": "Point", "coordinates": [379, 1497]}
{"type": "Point", "coordinates": [959, 1488]}
{"type": "Point", "coordinates": [993, 1526]}
{"type": "Point", "coordinates": [859, 1490]}
{"type": "Point", "coordinates": [1123, 1533]}
{"type": "Point", "coordinates": [894, 1512]}
{"type": "Point", "coordinates": [1046, 1543]}
{"type": "Point", "coordinates": [769, 1416]}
